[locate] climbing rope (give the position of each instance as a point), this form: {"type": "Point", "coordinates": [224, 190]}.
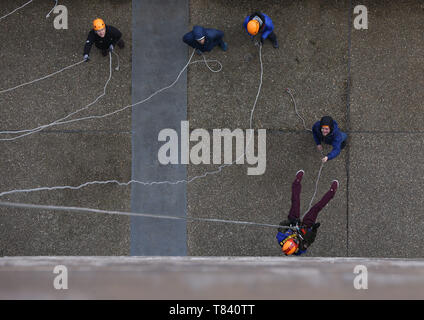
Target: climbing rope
{"type": "Point", "coordinates": [55, 5]}
{"type": "Point", "coordinates": [134, 214]}
{"type": "Point", "coordinates": [117, 56]}
{"type": "Point", "coordinates": [143, 101]}
{"type": "Point", "coordinates": [62, 208]}
{"type": "Point", "coordinates": [27, 132]}
{"type": "Point", "coordinates": [3, 17]}
{"type": "Point", "coordinates": [40, 79]}
{"type": "Point", "coordinates": [290, 92]}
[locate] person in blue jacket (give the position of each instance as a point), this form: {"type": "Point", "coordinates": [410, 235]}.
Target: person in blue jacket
{"type": "Point", "coordinates": [259, 22]}
{"type": "Point", "coordinates": [326, 130]}
{"type": "Point", "coordinates": [204, 39]}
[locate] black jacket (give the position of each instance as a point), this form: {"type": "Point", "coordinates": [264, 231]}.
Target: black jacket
{"type": "Point", "coordinates": [112, 36]}
{"type": "Point", "coordinates": [308, 234]}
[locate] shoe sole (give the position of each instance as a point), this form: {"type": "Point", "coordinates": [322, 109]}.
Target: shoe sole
{"type": "Point", "coordinates": [338, 184]}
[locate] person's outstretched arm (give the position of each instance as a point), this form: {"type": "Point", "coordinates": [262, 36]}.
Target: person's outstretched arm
{"type": "Point", "coordinates": [315, 132]}
{"type": "Point", "coordinates": [337, 142]}
{"type": "Point", "coordinates": [89, 43]}
{"type": "Point", "coordinates": [115, 33]}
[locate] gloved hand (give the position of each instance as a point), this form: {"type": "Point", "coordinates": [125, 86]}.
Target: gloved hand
{"type": "Point", "coordinates": [309, 238]}
{"type": "Point", "coordinates": [284, 225]}
{"type": "Point", "coordinates": [111, 48]}
{"type": "Point", "coordinates": [316, 226]}
{"type": "Point", "coordinates": [86, 57]}
{"type": "Point", "coordinates": [294, 222]}
{"type": "Point", "coordinates": [288, 223]}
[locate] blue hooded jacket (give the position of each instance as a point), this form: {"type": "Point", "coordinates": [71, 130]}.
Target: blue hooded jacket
{"type": "Point", "coordinates": [281, 236]}
{"type": "Point", "coordinates": [265, 30]}
{"type": "Point", "coordinates": [213, 37]}
{"type": "Point", "coordinates": [334, 138]}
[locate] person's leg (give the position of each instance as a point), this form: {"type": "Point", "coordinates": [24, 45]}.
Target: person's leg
{"type": "Point", "coordinates": [295, 198]}
{"type": "Point", "coordinates": [312, 214]}
{"type": "Point", "coordinates": [221, 43]}
{"type": "Point", "coordinates": [273, 37]}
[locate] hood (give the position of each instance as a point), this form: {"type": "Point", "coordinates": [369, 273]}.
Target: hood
{"type": "Point", "coordinates": [327, 121]}
{"type": "Point", "coordinates": [198, 32]}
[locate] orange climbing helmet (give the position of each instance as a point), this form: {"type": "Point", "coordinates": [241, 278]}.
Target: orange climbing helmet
{"type": "Point", "coordinates": [290, 246]}
{"type": "Point", "coordinates": [253, 27]}
{"type": "Point", "coordinates": [98, 24]}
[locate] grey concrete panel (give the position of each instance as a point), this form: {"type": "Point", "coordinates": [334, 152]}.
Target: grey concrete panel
{"type": "Point", "coordinates": [387, 68]}
{"type": "Point", "coordinates": [386, 187]}
{"type": "Point", "coordinates": [158, 56]}
{"type": "Point", "coordinates": [66, 160]}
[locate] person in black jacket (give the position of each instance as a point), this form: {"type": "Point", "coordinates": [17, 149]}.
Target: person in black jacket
{"type": "Point", "coordinates": [104, 37]}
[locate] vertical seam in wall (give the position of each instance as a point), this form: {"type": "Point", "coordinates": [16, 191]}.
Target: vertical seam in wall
{"type": "Point", "coordinates": [348, 88]}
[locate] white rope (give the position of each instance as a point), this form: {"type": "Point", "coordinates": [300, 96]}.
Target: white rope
{"type": "Point", "coordinates": [117, 56]}
{"type": "Point", "coordinates": [152, 182]}
{"type": "Point", "coordinates": [132, 214]}
{"type": "Point", "coordinates": [290, 92]}
{"type": "Point", "coordinates": [158, 216]}
{"type": "Point", "coordinates": [315, 192]}
{"type": "Point", "coordinates": [207, 65]}
{"type": "Point", "coordinates": [62, 122]}
{"type": "Point", "coordinates": [55, 5]}
{"type": "Point", "coordinates": [3, 17]}
{"type": "Point", "coordinates": [59, 121]}
{"type": "Point", "coordinates": [40, 79]}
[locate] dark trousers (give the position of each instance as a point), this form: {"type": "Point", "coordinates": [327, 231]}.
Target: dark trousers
{"type": "Point", "coordinates": [311, 216]}
{"type": "Point", "coordinates": [272, 36]}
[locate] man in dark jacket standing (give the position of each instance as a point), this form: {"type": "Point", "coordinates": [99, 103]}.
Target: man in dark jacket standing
{"type": "Point", "coordinates": [204, 40]}
{"type": "Point", "coordinates": [104, 37]}
{"type": "Point", "coordinates": [295, 236]}
{"type": "Point", "coordinates": [326, 130]}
